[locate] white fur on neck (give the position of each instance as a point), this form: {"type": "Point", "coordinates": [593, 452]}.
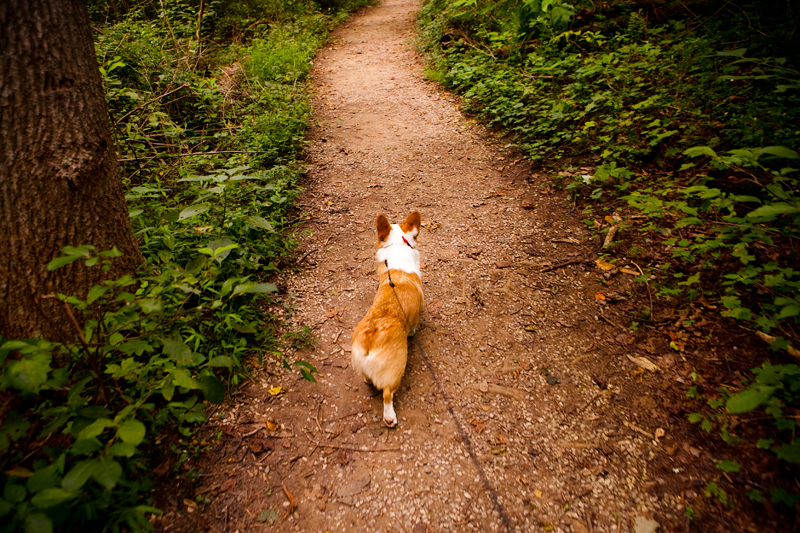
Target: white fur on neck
{"type": "Point", "coordinates": [398, 254]}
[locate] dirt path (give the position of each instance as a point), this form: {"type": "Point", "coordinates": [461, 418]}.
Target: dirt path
{"type": "Point", "coordinates": [519, 429]}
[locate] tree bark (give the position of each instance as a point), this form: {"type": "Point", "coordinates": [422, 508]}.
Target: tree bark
{"type": "Point", "coordinates": [59, 178]}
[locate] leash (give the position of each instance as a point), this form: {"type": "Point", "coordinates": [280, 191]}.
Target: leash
{"type": "Point", "coordinates": [465, 440]}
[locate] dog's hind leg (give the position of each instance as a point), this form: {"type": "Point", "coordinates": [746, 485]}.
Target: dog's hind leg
{"type": "Point", "coordinates": [389, 416]}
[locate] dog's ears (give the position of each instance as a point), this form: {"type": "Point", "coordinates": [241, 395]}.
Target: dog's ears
{"type": "Point", "coordinates": [412, 224]}
{"type": "Point", "coordinates": [384, 228]}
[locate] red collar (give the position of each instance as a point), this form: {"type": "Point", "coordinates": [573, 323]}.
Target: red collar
{"type": "Point", "coordinates": [405, 241]}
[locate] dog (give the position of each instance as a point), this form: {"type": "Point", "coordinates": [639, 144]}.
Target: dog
{"type": "Point", "coordinates": [380, 340]}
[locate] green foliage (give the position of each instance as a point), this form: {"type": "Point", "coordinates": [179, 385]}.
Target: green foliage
{"type": "Point", "coordinates": [714, 491]}
{"type": "Point", "coordinates": [211, 165]}
{"type": "Point", "coordinates": [693, 143]}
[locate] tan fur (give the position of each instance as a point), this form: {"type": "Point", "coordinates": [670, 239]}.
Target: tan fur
{"type": "Point", "coordinates": [380, 345]}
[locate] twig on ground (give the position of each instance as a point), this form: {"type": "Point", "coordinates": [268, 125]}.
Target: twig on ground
{"type": "Point", "coordinates": [292, 503]}
{"type": "Point", "coordinates": [563, 264]}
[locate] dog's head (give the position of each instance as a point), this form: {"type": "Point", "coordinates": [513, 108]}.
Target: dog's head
{"type": "Point", "coordinates": [405, 233]}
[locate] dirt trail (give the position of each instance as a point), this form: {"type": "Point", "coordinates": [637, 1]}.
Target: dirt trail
{"type": "Point", "coordinates": [530, 365]}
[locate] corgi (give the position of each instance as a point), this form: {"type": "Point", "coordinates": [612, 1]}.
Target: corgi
{"type": "Point", "coordinates": [380, 340]}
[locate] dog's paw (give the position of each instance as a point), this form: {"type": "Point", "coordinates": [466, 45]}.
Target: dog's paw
{"type": "Point", "coordinates": [389, 416]}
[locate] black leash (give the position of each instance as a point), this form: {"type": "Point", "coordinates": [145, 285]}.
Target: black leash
{"type": "Point", "coordinates": [461, 433]}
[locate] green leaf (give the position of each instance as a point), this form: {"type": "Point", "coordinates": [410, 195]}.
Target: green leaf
{"type": "Point", "coordinates": [168, 390]}
{"type": "Point", "coordinates": [221, 248]}
{"type": "Point", "coordinates": [789, 453]}
{"type": "Point", "coordinates": [14, 493]}
{"type": "Point", "coordinates": [107, 473]}
{"type": "Point", "coordinates": [79, 475]}
{"type": "Point", "coordinates": [51, 497]}
{"type": "Point", "coordinates": [95, 428]}
{"type": "Point", "coordinates": [259, 222]}
{"type": "Point", "coordinates": [193, 210]}
{"type": "Point", "coordinates": [94, 411]}
{"type": "Point", "coordinates": [771, 211]}
{"type": "Point", "coordinates": [38, 523]}
{"type": "Point", "coordinates": [244, 328]}
{"type": "Point", "coordinates": [123, 449]}
{"type": "Point", "coordinates": [783, 496]}
{"type": "Point", "coordinates": [688, 221]}
{"type": "Point", "coordinates": [755, 495]}
{"type": "Point", "coordinates": [221, 360]}
{"type": "Point", "coordinates": [44, 478]}
{"type": "Point", "coordinates": [728, 466]}
{"type": "Point", "coordinates": [213, 389]}
{"type": "Point", "coordinates": [178, 351]}
{"type": "Point", "coordinates": [86, 446]}
{"type": "Point", "coordinates": [59, 262]}
{"type": "Point", "coordinates": [182, 379]}
{"type": "Point", "coordinates": [780, 151]}
{"type": "Point", "coordinates": [739, 52]}
{"type": "Point", "coordinates": [699, 150]}
{"type": "Point", "coordinates": [132, 431]}
{"type": "Point", "coordinates": [262, 288]}
{"type": "Point", "coordinates": [308, 376]}
{"type": "Point", "coordinates": [789, 311]}
{"type": "Point", "coordinates": [30, 373]}
{"type": "Point", "coordinates": [307, 365]}
{"type": "Point", "coordinates": [748, 399]}
{"type": "Point", "coordinates": [764, 444]}
{"type": "Point", "coordinates": [113, 252]}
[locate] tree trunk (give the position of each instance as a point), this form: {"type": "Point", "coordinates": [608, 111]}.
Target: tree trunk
{"type": "Point", "coordinates": [59, 179]}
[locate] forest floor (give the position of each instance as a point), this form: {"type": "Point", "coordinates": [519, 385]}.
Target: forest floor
{"type": "Point", "coordinates": [535, 413]}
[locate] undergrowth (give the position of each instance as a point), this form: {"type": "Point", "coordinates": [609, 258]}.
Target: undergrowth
{"type": "Point", "coordinates": [675, 126]}
{"type": "Point", "coordinates": [210, 136]}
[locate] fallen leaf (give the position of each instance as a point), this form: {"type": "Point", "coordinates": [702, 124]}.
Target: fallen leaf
{"type": "Point", "coordinates": [671, 449]}
{"type": "Point", "coordinates": [272, 425]}
{"type": "Point", "coordinates": [547, 526]}
{"type": "Point", "coordinates": [503, 264]}
{"type": "Point", "coordinates": [274, 391]}
{"type": "Point", "coordinates": [629, 271]}
{"type": "Point", "coordinates": [537, 493]}
{"type": "Point", "coordinates": [434, 306]}
{"type": "Point", "coordinates": [643, 525]}
{"type": "Point", "coordinates": [161, 469]}
{"type": "Point", "coordinates": [227, 484]}
{"type": "Point", "coordinates": [644, 363]}
{"type": "Point", "coordinates": [480, 428]}
{"type": "Point", "coordinates": [190, 503]}
{"type": "Point", "coordinates": [605, 265]}
{"type": "Point", "coordinates": [794, 352]}
{"type": "Point", "coordinates": [599, 296]}
{"type": "Point", "coordinates": [18, 471]}
{"type": "Point", "coordinates": [660, 433]}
